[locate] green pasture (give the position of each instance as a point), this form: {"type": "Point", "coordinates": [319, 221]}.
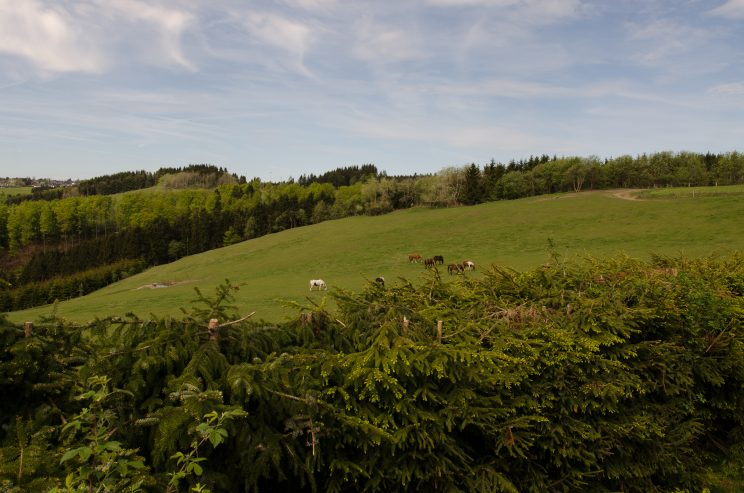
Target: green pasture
{"type": "Point", "coordinates": [348, 253]}
{"type": "Point", "coordinates": [690, 192]}
{"type": "Point", "coordinates": [7, 192]}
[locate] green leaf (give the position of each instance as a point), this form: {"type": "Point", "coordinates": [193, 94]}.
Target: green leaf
{"type": "Point", "coordinates": [68, 455]}
{"type": "Point", "coordinates": [113, 446]}
{"type": "Point", "coordinates": [137, 464]}
{"type": "Point", "coordinates": [85, 453]}
{"type": "Point", "coordinates": [217, 436]}
{"type": "Point", "coordinates": [195, 468]}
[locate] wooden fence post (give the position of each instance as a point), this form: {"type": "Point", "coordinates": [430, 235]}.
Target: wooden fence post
{"type": "Point", "coordinates": [405, 325]}
{"type": "Point", "coordinates": [214, 335]}
{"type": "Point", "coordinates": [439, 331]}
{"type": "Point", "coordinates": [28, 329]}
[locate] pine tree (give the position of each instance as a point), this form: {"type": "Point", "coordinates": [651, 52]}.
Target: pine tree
{"type": "Point", "coordinates": [473, 188]}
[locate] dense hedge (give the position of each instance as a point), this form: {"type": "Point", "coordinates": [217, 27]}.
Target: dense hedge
{"type": "Point", "coordinates": [612, 375]}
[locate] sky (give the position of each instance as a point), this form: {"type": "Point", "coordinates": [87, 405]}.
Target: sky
{"type": "Point", "coordinates": [279, 89]}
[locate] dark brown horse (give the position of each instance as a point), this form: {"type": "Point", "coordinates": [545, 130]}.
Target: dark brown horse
{"type": "Point", "coordinates": [429, 262]}
{"type": "Point", "coordinates": [438, 259]}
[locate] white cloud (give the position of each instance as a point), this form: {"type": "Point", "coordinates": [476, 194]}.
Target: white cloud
{"type": "Point", "coordinates": [526, 11]}
{"type": "Point", "coordinates": [665, 38]}
{"type": "Point", "coordinates": [290, 36]}
{"type": "Point", "coordinates": [92, 36]}
{"type": "Point", "coordinates": [475, 3]}
{"type": "Point", "coordinates": [384, 45]}
{"type": "Point", "coordinates": [730, 89]}
{"type": "Point", "coordinates": [169, 25]}
{"type": "Point", "coordinates": [313, 5]}
{"type": "Point", "coordinates": [733, 9]}
{"type": "Point", "coordinates": [47, 37]}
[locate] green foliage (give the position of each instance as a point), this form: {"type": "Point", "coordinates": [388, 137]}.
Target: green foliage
{"type": "Point", "coordinates": [211, 430]}
{"type": "Point", "coordinates": [24, 464]}
{"type": "Point", "coordinates": [604, 375]}
{"type": "Point", "coordinates": [94, 461]}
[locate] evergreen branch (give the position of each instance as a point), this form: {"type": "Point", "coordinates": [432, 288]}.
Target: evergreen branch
{"type": "Point", "coordinates": [290, 396]}
{"type": "Point", "coordinates": [713, 342]}
{"type": "Point", "coordinates": [128, 351]}
{"type": "Point", "coordinates": [237, 321]}
{"type": "Point", "coordinates": [453, 334]}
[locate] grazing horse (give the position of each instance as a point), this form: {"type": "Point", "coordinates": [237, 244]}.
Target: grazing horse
{"type": "Point", "coordinates": [318, 283]}
{"type": "Point", "coordinates": [468, 265]}
{"type": "Point", "coordinates": [414, 257]}
{"type": "Point", "coordinates": [454, 268]}
{"type": "Point", "coordinates": [438, 259]}
{"type": "Point", "coordinates": [429, 262]}
{"type": "Point", "coordinates": [381, 281]}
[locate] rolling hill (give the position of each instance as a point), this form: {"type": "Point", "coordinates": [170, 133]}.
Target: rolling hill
{"type": "Point", "coordinates": [348, 253]}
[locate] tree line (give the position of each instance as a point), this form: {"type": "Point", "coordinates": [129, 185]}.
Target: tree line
{"type": "Point", "coordinates": [611, 375]}
{"type": "Point", "coordinates": [43, 239]}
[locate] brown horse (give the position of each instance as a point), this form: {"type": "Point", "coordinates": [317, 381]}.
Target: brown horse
{"type": "Point", "coordinates": [454, 268]}
{"type": "Point", "coordinates": [429, 262]}
{"type": "Point", "coordinates": [414, 257]}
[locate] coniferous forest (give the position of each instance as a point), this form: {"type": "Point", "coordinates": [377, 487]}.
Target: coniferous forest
{"type": "Point", "coordinates": [611, 375]}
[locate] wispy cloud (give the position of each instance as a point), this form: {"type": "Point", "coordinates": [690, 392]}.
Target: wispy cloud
{"type": "Point", "coordinates": [660, 39]}
{"type": "Point", "coordinates": [527, 11]}
{"type": "Point", "coordinates": [48, 37]}
{"type": "Point", "coordinates": [733, 9]}
{"type": "Point", "coordinates": [276, 84]}
{"type": "Point", "coordinates": [314, 5]}
{"type": "Point", "coordinates": [92, 36]}
{"type": "Point", "coordinates": [729, 89]}
{"type": "Point", "coordinates": [290, 37]}
{"type": "Point", "coordinates": [166, 25]}
{"type": "Point", "coordinates": [382, 44]}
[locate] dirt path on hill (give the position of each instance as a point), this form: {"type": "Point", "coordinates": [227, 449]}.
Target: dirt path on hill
{"type": "Point", "coordinates": [626, 194]}
{"type": "Point", "coordinates": [621, 193]}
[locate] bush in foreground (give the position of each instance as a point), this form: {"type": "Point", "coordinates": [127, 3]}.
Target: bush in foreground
{"type": "Point", "coordinates": [611, 375]}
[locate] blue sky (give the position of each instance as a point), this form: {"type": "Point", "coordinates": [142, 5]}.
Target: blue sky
{"type": "Point", "coordinates": [290, 87]}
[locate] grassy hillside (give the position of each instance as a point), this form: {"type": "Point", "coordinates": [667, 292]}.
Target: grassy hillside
{"type": "Point", "coordinates": [349, 252]}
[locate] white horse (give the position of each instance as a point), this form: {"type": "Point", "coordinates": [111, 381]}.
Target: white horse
{"type": "Point", "coordinates": [319, 283]}
{"type": "Point", "coordinates": [468, 265]}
